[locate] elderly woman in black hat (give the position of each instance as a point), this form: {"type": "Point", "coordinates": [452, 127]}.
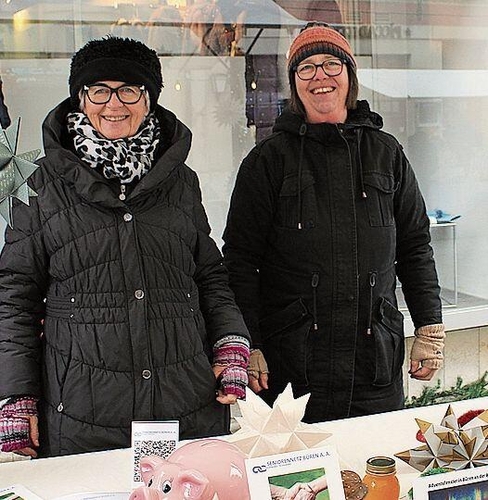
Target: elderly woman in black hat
{"type": "Point", "coordinates": [114, 304]}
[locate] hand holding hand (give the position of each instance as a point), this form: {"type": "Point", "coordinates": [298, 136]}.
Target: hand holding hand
{"type": "Point", "coordinates": [304, 495]}
{"type": "Point", "coordinates": [300, 491]}
{"type": "Point", "coordinates": [277, 492]}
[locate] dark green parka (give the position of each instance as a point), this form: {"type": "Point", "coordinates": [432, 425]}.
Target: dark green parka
{"type": "Point", "coordinates": [132, 295]}
{"type": "Point", "coordinates": [323, 218]}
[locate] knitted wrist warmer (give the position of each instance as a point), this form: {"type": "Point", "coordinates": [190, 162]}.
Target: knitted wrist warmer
{"type": "Point", "coordinates": [232, 351]}
{"type": "Point", "coordinates": [428, 345]}
{"type": "Point", "coordinates": [234, 380]}
{"type": "Point", "coordinates": [14, 423]}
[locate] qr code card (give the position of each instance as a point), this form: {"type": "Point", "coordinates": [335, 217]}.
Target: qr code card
{"type": "Point", "coordinates": [152, 438]}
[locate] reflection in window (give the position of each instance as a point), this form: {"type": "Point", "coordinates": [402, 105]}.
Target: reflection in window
{"type": "Point", "coordinates": [423, 66]}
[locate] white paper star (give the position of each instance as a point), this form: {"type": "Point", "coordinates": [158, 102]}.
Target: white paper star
{"type": "Point", "coordinates": [269, 431]}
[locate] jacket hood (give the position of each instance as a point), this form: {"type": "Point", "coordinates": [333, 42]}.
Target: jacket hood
{"type": "Point", "coordinates": [357, 119]}
{"type": "Point", "coordinates": [362, 116]}
{"type": "Point", "coordinates": [61, 158]}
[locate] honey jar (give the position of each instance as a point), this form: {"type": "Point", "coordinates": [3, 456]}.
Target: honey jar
{"type": "Point", "coordinates": [381, 479]}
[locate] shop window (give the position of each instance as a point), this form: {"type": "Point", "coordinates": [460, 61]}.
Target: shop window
{"type": "Point", "coordinates": [422, 65]}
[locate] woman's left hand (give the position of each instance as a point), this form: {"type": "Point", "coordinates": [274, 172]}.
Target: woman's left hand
{"type": "Point", "coordinates": [225, 399]}
{"type": "Point", "coordinates": [419, 372]}
{"type": "Point", "coordinates": [426, 355]}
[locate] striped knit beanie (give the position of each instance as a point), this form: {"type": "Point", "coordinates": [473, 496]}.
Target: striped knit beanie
{"type": "Point", "coordinates": [319, 39]}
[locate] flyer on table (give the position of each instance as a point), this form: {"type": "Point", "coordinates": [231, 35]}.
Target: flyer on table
{"type": "Point", "coordinates": [158, 438]}
{"type": "Point", "coordinates": [314, 470]}
{"type": "Point", "coordinates": [17, 492]}
{"type": "Point", "coordinates": [460, 484]}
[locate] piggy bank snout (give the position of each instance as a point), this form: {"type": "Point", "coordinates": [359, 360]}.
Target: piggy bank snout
{"type": "Point", "coordinates": [145, 493]}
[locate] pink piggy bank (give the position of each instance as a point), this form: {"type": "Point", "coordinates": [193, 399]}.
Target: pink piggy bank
{"type": "Point", "coordinates": [207, 469]}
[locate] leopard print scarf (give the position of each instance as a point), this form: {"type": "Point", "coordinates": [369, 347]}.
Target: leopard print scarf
{"type": "Point", "coordinates": [127, 159]}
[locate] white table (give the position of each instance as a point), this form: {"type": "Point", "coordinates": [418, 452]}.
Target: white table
{"type": "Point", "coordinates": [356, 440]}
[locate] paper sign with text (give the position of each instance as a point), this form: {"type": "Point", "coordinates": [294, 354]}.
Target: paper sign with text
{"type": "Point", "coordinates": [152, 438]}
{"type": "Point", "coordinates": [17, 492]}
{"type": "Point", "coordinates": [466, 483]}
{"type": "Point", "coordinates": [315, 471]}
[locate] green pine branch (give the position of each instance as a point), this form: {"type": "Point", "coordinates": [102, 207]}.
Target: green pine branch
{"type": "Point", "coordinates": [458, 392]}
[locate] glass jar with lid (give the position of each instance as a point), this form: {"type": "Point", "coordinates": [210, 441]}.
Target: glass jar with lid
{"type": "Point", "coordinates": [381, 479]}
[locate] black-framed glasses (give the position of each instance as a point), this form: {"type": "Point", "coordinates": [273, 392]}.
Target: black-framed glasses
{"type": "Point", "coordinates": [99, 93]}
{"type": "Point", "coordinates": [331, 67]}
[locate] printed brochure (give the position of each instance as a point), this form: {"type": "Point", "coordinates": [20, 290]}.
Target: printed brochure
{"type": "Point", "coordinates": [316, 471]}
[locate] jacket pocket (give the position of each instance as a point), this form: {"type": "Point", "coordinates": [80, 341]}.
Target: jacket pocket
{"type": "Point", "coordinates": [389, 341]}
{"type": "Point", "coordinates": [294, 209]}
{"type": "Point", "coordinates": [380, 189]}
{"type": "Point", "coordinates": [285, 337]}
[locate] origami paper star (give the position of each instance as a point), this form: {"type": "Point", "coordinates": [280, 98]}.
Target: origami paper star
{"type": "Point", "coordinates": [450, 446]}
{"type": "Point", "coordinates": [268, 431]}
{"type": "Point", "coordinates": [14, 171]}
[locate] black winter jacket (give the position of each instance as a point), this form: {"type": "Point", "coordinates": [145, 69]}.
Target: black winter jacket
{"type": "Point", "coordinates": [323, 218]}
{"type": "Point", "coordinates": [132, 295]}
{"type": "Point", "coordinates": [4, 116]}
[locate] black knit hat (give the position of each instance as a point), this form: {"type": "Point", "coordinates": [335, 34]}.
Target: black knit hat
{"type": "Point", "coordinates": [118, 59]}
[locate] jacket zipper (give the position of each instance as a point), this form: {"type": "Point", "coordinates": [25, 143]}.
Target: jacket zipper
{"type": "Point", "coordinates": [315, 284]}
{"type": "Point", "coordinates": [372, 283]}
{"type": "Point", "coordinates": [358, 133]}
{"type": "Point", "coordinates": [302, 132]}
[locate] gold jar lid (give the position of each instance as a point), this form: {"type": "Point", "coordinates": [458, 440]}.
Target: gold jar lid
{"type": "Point", "coordinates": [380, 465]}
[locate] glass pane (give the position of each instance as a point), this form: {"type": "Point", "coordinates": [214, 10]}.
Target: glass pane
{"type": "Point", "coordinates": [423, 65]}
{"type": "Point", "coordinates": [428, 76]}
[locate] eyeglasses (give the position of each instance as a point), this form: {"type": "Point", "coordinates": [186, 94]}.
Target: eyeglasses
{"type": "Point", "coordinates": [100, 93]}
{"type": "Point", "coordinates": [331, 67]}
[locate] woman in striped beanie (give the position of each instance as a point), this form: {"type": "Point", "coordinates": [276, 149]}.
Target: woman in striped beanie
{"type": "Point", "coordinates": [312, 42]}
{"type": "Point", "coordinates": [325, 214]}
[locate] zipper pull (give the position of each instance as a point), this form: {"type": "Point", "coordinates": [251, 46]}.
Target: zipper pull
{"type": "Point", "coordinates": [122, 192]}
{"type": "Point", "coordinates": [315, 284]}
{"type": "Point", "coordinates": [315, 280]}
{"type": "Point", "coordinates": [372, 284]}
{"type": "Point", "coordinates": [372, 279]}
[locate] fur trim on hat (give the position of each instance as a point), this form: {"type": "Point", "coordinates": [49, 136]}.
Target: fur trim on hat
{"type": "Point", "coordinates": [319, 39]}
{"type": "Point", "coordinates": [117, 59]}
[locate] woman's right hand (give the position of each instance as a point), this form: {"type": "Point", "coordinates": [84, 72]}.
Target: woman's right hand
{"type": "Point", "coordinates": [19, 431]}
{"type": "Point", "coordinates": [34, 437]}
